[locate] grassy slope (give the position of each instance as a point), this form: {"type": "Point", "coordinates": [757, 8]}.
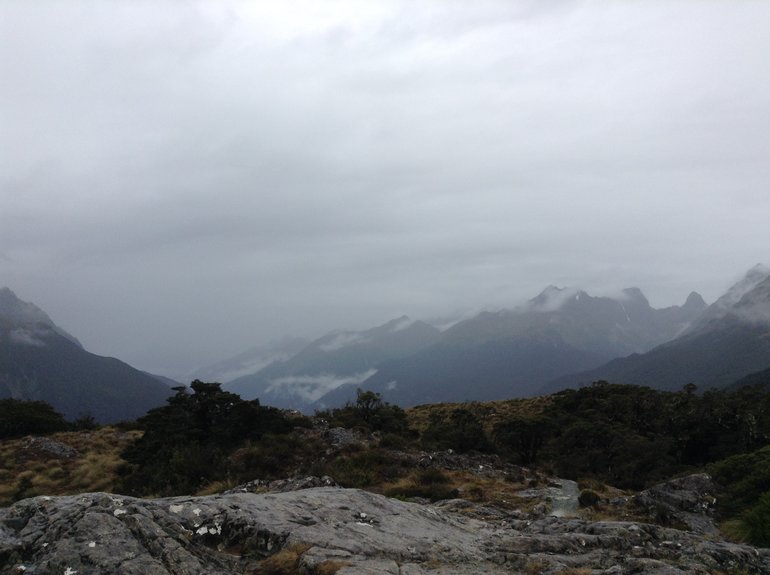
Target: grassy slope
{"type": "Point", "coordinates": [27, 471]}
{"type": "Point", "coordinates": [489, 412]}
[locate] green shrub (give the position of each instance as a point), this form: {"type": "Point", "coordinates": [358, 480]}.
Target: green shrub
{"type": "Point", "coordinates": [432, 476]}
{"type": "Point", "coordinates": [744, 478]}
{"type": "Point", "coordinates": [756, 522]}
{"type": "Point", "coordinates": [365, 468]}
{"type": "Point", "coordinates": [187, 442]}
{"type": "Point", "coordinates": [588, 498]}
{"type": "Point", "coordinates": [368, 413]}
{"type": "Point", "coordinates": [432, 492]}
{"type": "Point", "coordinates": [18, 418]}
{"type": "Point", "coordinates": [462, 432]}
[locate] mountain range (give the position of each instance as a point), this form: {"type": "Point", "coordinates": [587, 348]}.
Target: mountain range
{"type": "Point", "coordinates": [493, 355]}
{"type": "Point", "coordinates": [728, 341]}
{"type": "Point", "coordinates": [340, 358]}
{"type": "Point", "coordinates": [41, 361]}
{"type": "Point", "coordinates": [561, 338]}
{"type": "Point", "coordinates": [513, 353]}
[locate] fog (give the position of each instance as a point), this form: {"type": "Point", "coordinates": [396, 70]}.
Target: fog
{"type": "Point", "coordinates": [180, 181]}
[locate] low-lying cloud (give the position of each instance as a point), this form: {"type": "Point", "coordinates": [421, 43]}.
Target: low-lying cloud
{"type": "Point", "coordinates": [314, 387]}
{"type": "Point", "coordinates": [342, 340]}
{"type": "Point", "coordinates": [27, 336]}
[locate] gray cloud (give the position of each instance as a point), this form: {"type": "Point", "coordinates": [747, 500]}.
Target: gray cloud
{"type": "Point", "coordinates": [180, 181]}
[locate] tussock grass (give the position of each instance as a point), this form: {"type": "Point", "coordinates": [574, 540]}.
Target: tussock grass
{"type": "Point", "coordinates": [489, 412]}
{"type": "Point", "coordinates": [284, 562]}
{"type": "Point", "coordinates": [458, 484]}
{"type": "Point", "coordinates": [26, 472]}
{"type": "Point", "coordinates": [218, 487]}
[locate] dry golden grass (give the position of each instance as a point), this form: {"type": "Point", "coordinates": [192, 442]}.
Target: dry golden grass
{"type": "Point", "coordinates": [27, 471]}
{"type": "Point", "coordinates": [535, 566]}
{"type": "Point", "coordinates": [329, 567]}
{"type": "Point", "coordinates": [217, 487]}
{"type": "Point", "coordinates": [284, 562]}
{"type": "Point", "coordinates": [489, 412]}
{"type": "Point", "coordinates": [493, 491]}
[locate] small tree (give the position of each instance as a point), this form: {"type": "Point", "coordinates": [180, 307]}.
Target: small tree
{"type": "Point", "coordinates": [186, 442]}
{"type": "Point", "coordinates": [369, 412]}
{"type": "Point", "coordinates": [19, 418]}
{"type": "Point", "coordinates": [524, 436]}
{"type": "Point", "coordinates": [462, 431]}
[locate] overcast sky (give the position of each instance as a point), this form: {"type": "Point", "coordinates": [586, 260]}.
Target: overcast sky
{"type": "Point", "coordinates": [182, 180]}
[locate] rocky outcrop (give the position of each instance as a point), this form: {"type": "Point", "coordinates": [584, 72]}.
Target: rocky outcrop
{"type": "Point", "coordinates": [47, 447]}
{"type": "Point", "coordinates": [689, 500]}
{"type": "Point", "coordinates": [347, 530]}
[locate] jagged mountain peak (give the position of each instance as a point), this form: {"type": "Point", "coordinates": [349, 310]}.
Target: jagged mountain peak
{"type": "Point", "coordinates": [695, 301]}
{"type": "Point", "coordinates": [754, 306]}
{"type": "Point", "coordinates": [635, 294]}
{"type": "Point", "coordinates": [759, 269]}
{"type": "Point", "coordinates": [27, 322]}
{"type": "Point", "coordinates": [727, 341]}
{"type": "Point", "coordinates": [552, 298]}
{"type": "Point", "coordinates": [748, 300]}
{"type": "Point", "coordinates": [749, 281]}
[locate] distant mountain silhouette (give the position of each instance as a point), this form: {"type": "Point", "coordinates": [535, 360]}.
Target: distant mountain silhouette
{"type": "Point", "coordinates": [40, 361]}
{"type": "Point", "coordinates": [338, 358]}
{"type": "Point", "coordinates": [730, 340]}
{"type": "Point", "coordinates": [512, 353]}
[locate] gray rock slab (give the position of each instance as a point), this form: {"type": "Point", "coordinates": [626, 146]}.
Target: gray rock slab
{"type": "Point", "coordinates": [365, 533]}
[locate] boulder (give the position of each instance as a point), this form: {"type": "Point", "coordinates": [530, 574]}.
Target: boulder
{"type": "Point", "coordinates": [690, 501]}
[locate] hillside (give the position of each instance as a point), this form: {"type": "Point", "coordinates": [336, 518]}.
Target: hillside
{"type": "Point", "coordinates": [40, 361]}
{"type": "Point", "coordinates": [352, 498]}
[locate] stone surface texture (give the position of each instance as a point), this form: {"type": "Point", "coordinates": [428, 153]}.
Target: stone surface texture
{"type": "Point", "coordinates": [360, 532]}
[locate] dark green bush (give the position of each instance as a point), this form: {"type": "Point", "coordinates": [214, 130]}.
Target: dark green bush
{"type": "Point", "coordinates": [432, 491]}
{"type": "Point", "coordinates": [432, 476]}
{"type": "Point", "coordinates": [462, 432]}
{"type": "Point", "coordinates": [186, 443]}
{"type": "Point", "coordinates": [364, 468]}
{"type": "Point", "coordinates": [744, 478]}
{"type": "Point", "coordinates": [756, 522]}
{"type": "Point", "coordinates": [18, 418]}
{"type": "Point", "coordinates": [272, 457]}
{"type": "Point", "coordinates": [523, 436]}
{"type": "Point", "coordinates": [368, 413]}
{"type": "Point", "coordinates": [588, 498]}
